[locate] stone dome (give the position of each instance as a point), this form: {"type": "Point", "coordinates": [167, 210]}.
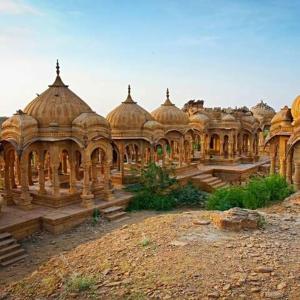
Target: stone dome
{"type": "Point", "coordinates": [20, 120]}
{"type": "Point", "coordinates": [169, 114]}
{"type": "Point", "coordinates": [91, 119]}
{"type": "Point", "coordinates": [262, 110]}
{"type": "Point", "coordinates": [284, 115]}
{"type": "Point", "coordinates": [152, 125]}
{"type": "Point", "coordinates": [19, 127]}
{"type": "Point", "coordinates": [128, 115]}
{"type": "Point", "coordinates": [199, 118]}
{"type": "Point", "coordinates": [248, 118]}
{"type": "Point", "coordinates": [228, 118]}
{"type": "Point", "coordinates": [296, 108]}
{"type": "Point", "coordinates": [57, 105]}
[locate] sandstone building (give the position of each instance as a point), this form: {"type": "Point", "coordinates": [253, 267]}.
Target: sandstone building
{"type": "Point", "coordinates": [58, 151]}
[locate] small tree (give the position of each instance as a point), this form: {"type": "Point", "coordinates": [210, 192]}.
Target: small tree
{"type": "Point", "coordinates": [158, 190]}
{"type": "Point", "coordinates": [156, 179]}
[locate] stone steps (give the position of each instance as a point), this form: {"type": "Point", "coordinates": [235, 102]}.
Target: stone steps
{"type": "Point", "coordinates": [114, 213]}
{"type": "Point", "coordinates": [10, 251]}
{"type": "Point", "coordinates": [208, 182]}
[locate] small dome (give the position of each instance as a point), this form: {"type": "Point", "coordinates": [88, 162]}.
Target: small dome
{"type": "Point", "coordinates": [20, 127]}
{"type": "Point", "coordinates": [228, 118]}
{"type": "Point", "coordinates": [248, 118]}
{"type": "Point", "coordinates": [169, 114]}
{"type": "Point", "coordinates": [128, 115]}
{"type": "Point", "coordinates": [57, 105]}
{"type": "Point", "coordinates": [152, 125]}
{"type": "Point", "coordinates": [296, 108]}
{"type": "Point", "coordinates": [199, 118]}
{"type": "Point", "coordinates": [284, 115]}
{"type": "Point", "coordinates": [91, 119]}
{"type": "Point", "coordinates": [262, 110]}
{"type": "Point", "coordinates": [20, 120]}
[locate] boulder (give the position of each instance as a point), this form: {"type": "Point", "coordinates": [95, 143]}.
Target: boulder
{"type": "Point", "coordinates": [237, 219]}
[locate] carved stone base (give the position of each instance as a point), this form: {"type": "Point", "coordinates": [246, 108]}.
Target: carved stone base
{"type": "Point", "coordinates": [7, 199]}
{"type": "Point", "coordinates": [87, 201]}
{"type": "Point", "coordinates": [25, 201]}
{"type": "Point", "coordinates": [109, 194]}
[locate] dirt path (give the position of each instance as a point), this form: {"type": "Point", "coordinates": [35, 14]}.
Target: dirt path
{"type": "Point", "coordinates": [168, 256]}
{"type": "Point", "coordinates": [42, 246]}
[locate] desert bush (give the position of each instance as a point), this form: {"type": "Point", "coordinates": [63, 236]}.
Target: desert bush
{"type": "Point", "coordinates": [158, 190]}
{"type": "Point", "coordinates": [78, 283]}
{"type": "Point", "coordinates": [258, 192]}
{"type": "Point", "coordinates": [189, 195]}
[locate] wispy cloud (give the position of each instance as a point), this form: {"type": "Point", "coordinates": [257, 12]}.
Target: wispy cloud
{"type": "Point", "coordinates": [17, 7]}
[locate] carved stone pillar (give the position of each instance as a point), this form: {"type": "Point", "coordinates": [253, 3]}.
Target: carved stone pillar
{"type": "Point", "coordinates": [289, 169]}
{"type": "Point", "coordinates": [261, 143]}
{"type": "Point", "coordinates": [86, 196]}
{"type": "Point", "coordinates": [272, 167]}
{"type": "Point", "coordinates": [72, 178]}
{"type": "Point", "coordinates": [142, 155]}
{"type": "Point", "coordinates": [94, 172]}
{"type": "Point", "coordinates": [230, 149]}
{"type": "Point", "coordinates": [282, 170]}
{"type": "Point", "coordinates": [221, 152]}
{"type": "Point", "coordinates": [107, 182]}
{"type": "Point", "coordinates": [55, 178]}
{"type": "Point", "coordinates": [152, 153]}
{"type": "Point", "coordinates": [12, 170]}
{"type": "Point", "coordinates": [203, 147]}
{"type": "Point", "coordinates": [296, 178]}
{"type": "Point", "coordinates": [122, 153]}
{"type": "Point", "coordinates": [25, 198]}
{"type": "Point", "coordinates": [7, 195]}
{"type": "Point", "coordinates": [41, 172]}
{"type": "Point", "coordinates": [250, 147]}
{"type": "Point", "coordinates": [64, 163]}
{"type": "Point", "coordinates": [30, 158]}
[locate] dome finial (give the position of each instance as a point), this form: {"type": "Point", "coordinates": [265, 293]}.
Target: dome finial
{"type": "Point", "coordinates": [129, 99]}
{"type": "Point", "coordinates": [129, 90]}
{"type": "Point", "coordinates": [58, 81]}
{"type": "Point", "coordinates": [168, 101]}
{"type": "Point", "coordinates": [57, 68]}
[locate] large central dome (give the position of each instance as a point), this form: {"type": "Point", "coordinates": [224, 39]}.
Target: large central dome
{"type": "Point", "coordinates": [58, 105]}
{"type": "Point", "coordinates": [128, 116]}
{"type": "Point", "coordinates": [169, 114]}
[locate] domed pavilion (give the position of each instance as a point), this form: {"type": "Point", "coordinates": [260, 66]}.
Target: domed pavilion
{"type": "Point", "coordinates": [178, 135]}
{"type": "Point", "coordinates": [56, 151]}
{"type": "Point", "coordinates": [280, 132]}
{"type": "Point", "coordinates": [264, 114]}
{"type": "Point", "coordinates": [134, 133]}
{"type": "Point", "coordinates": [222, 136]}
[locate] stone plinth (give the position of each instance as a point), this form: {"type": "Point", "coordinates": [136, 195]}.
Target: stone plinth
{"type": "Point", "coordinates": [237, 219]}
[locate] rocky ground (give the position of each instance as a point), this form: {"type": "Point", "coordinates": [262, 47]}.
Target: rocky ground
{"type": "Point", "coordinates": [174, 256]}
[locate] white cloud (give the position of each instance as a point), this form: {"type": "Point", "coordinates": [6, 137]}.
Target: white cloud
{"type": "Point", "coordinates": [17, 7]}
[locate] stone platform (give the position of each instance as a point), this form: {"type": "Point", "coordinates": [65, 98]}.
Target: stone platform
{"type": "Point", "coordinates": [22, 223]}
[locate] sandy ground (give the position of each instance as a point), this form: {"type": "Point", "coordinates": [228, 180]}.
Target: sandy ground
{"type": "Point", "coordinates": [163, 256]}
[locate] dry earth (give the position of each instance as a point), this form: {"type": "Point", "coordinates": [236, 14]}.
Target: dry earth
{"type": "Point", "coordinates": [171, 257]}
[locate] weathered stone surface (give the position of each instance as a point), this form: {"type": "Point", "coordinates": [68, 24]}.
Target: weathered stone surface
{"type": "Point", "coordinates": [201, 222]}
{"type": "Point", "coordinates": [237, 219]}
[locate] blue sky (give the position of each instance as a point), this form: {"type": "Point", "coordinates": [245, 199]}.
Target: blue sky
{"type": "Point", "coordinates": [229, 53]}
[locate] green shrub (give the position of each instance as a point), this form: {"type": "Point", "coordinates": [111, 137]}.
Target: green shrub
{"type": "Point", "coordinates": [189, 195]}
{"type": "Point", "coordinates": [144, 200]}
{"type": "Point", "coordinates": [79, 283]}
{"type": "Point", "coordinates": [96, 216]}
{"type": "Point", "coordinates": [157, 190]}
{"type": "Point", "coordinates": [258, 192]}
